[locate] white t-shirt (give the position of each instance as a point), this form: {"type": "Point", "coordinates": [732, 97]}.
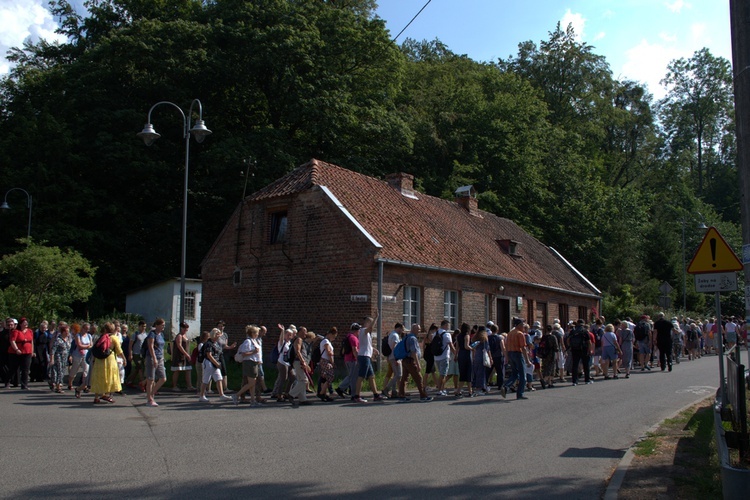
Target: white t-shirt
{"type": "Point", "coordinates": [447, 345]}
{"type": "Point", "coordinates": [393, 339]}
{"type": "Point", "coordinates": [283, 349]}
{"type": "Point", "coordinates": [249, 345]}
{"type": "Point", "coordinates": [324, 349]}
{"type": "Point", "coordinates": [365, 343]}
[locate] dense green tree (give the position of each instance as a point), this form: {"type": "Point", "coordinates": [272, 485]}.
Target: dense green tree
{"type": "Point", "coordinates": [697, 112]}
{"type": "Point", "coordinates": [42, 281]}
{"type": "Point", "coordinates": [281, 81]}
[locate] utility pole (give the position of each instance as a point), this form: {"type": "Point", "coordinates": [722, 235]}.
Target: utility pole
{"type": "Point", "coordinates": [739, 14]}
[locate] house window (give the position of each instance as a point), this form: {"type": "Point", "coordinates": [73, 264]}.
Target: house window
{"type": "Point", "coordinates": [530, 311]}
{"type": "Point", "coordinates": [278, 227]}
{"type": "Point", "coordinates": [450, 307]}
{"type": "Point", "coordinates": [411, 306]}
{"type": "Point", "coordinates": [189, 304]}
{"type": "Point", "coordinates": [564, 316]}
{"type": "Point", "coordinates": [582, 313]}
{"type": "Point", "coordinates": [237, 277]}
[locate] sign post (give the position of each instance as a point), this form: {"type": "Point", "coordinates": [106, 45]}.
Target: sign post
{"type": "Point", "coordinates": [715, 267]}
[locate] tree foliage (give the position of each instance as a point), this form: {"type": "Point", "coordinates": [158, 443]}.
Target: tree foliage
{"type": "Point", "coordinates": [44, 282]}
{"type": "Point", "coordinates": [548, 137]}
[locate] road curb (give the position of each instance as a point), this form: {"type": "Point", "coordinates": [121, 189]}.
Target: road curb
{"type": "Point", "coordinates": [615, 481]}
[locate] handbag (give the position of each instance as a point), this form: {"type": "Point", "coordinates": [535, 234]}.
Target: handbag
{"type": "Point", "coordinates": [486, 359]}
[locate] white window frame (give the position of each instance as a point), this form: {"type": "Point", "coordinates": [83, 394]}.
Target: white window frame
{"type": "Point", "coordinates": [412, 306]}
{"type": "Point", "coordinates": [190, 304]}
{"type": "Point", "coordinates": [450, 307]}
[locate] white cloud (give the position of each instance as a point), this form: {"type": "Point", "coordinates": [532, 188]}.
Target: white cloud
{"type": "Point", "coordinates": [599, 36]}
{"type": "Point", "coordinates": [608, 14]}
{"type": "Point", "coordinates": [21, 20]}
{"type": "Point", "coordinates": [678, 5]}
{"type": "Point", "coordinates": [578, 22]}
{"type": "Point", "coordinates": [668, 37]}
{"type": "Point", "coordinates": [698, 32]}
{"type": "Point", "coordinates": [647, 63]}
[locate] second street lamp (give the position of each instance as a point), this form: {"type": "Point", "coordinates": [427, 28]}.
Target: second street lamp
{"type": "Point", "coordinates": [199, 132]}
{"type": "Point", "coordinates": [5, 206]}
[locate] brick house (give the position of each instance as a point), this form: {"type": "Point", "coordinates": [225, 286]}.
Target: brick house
{"type": "Point", "coordinates": [324, 246]}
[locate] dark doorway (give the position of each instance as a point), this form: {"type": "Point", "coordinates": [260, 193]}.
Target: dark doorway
{"type": "Point", "coordinates": [503, 315]}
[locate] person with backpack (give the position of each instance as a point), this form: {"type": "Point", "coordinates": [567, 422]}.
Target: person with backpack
{"type": "Point", "coordinates": [442, 348]}
{"type": "Point", "coordinates": [644, 338]}
{"type": "Point", "coordinates": [429, 357]}
{"type": "Point", "coordinates": [156, 375]}
{"type": "Point", "coordinates": [497, 351]}
{"type": "Point", "coordinates": [598, 331]}
{"type": "Point", "coordinates": [395, 372]}
{"type": "Point", "coordinates": [663, 329]}
{"type": "Point", "coordinates": [105, 374]}
{"type": "Point", "coordinates": [364, 362]}
{"type": "Point", "coordinates": [581, 349]}
{"type": "Point", "coordinates": [283, 368]}
{"type": "Point", "coordinates": [209, 355]}
{"type": "Point", "coordinates": [327, 369]}
{"type": "Point", "coordinates": [410, 364]}
{"type": "Point", "coordinates": [135, 360]}
{"type": "Point", "coordinates": [348, 351]}
{"type": "Point", "coordinates": [250, 355]}
{"type": "Point", "coordinates": [547, 352]}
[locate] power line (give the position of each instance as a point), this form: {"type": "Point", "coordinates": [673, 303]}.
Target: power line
{"type": "Point", "coordinates": [412, 20]}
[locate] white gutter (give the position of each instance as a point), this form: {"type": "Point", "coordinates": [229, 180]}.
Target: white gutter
{"type": "Point", "coordinates": [572, 268]}
{"type": "Point", "coordinates": [350, 216]}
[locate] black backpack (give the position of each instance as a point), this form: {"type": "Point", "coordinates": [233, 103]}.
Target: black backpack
{"type": "Point", "coordinates": [437, 344]}
{"type": "Point", "coordinates": [542, 349]}
{"type": "Point", "coordinates": [346, 346]}
{"type": "Point", "coordinates": [385, 347]}
{"type": "Point", "coordinates": [598, 334]}
{"type": "Point", "coordinates": [102, 347]}
{"type": "Point", "coordinates": [316, 354]}
{"type": "Point", "coordinates": [641, 332]}
{"type": "Point", "coordinates": [577, 341]}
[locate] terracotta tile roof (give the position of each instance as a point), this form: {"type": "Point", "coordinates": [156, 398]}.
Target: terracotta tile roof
{"type": "Point", "coordinates": [431, 231]}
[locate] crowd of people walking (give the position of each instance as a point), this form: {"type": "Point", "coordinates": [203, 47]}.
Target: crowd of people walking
{"type": "Point", "coordinates": [466, 362]}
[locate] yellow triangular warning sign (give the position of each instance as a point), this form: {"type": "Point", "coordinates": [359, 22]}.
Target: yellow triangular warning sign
{"type": "Point", "coordinates": [714, 255]}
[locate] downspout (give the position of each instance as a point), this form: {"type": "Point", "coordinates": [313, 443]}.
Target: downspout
{"type": "Point", "coordinates": [380, 308]}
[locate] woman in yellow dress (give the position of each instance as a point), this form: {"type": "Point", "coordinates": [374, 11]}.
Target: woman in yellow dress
{"type": "Point", "coordinates": [105, 374]}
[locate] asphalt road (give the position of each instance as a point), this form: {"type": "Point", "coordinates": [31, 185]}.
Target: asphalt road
{"type": "Point", "coordinates": [560, 443]}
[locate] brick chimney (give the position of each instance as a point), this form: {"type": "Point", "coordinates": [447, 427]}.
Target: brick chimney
{"type": "Point", "coordinates": [403, 183]}
{"type": "Point", "coordinates": [466, 196]}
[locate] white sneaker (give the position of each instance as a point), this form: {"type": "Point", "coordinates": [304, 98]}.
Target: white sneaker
{"type": "Point", "coordinates": [442, 393]}
{"type": "Point", "coordinates": [203, 399]}
{"type": "Point", "coordinates": [225, 397]}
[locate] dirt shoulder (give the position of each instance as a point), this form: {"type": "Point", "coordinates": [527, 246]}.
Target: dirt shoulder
{"type": "Point", "coordinates": [678, 460]}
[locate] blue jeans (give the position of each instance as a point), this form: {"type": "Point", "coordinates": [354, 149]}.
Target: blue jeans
{"type": "Point", "coordinates": [517, 373]}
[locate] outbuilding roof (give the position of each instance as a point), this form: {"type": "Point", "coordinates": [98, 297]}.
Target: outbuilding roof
{"type": "Point", "coordinates": [427, 231]}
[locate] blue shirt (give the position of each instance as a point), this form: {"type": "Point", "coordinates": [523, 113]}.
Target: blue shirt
{"type": "Point", "coordinates": [158, 344]}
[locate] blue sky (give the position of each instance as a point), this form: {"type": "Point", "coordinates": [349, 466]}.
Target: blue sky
{"type": "Point", "coordinates": [638, 37]}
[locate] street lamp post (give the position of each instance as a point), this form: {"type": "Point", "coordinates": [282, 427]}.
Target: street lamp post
{"type": "Point", "coordinates": [5, 206]}
{"type": "Point", "coordinates": [198, 132]}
